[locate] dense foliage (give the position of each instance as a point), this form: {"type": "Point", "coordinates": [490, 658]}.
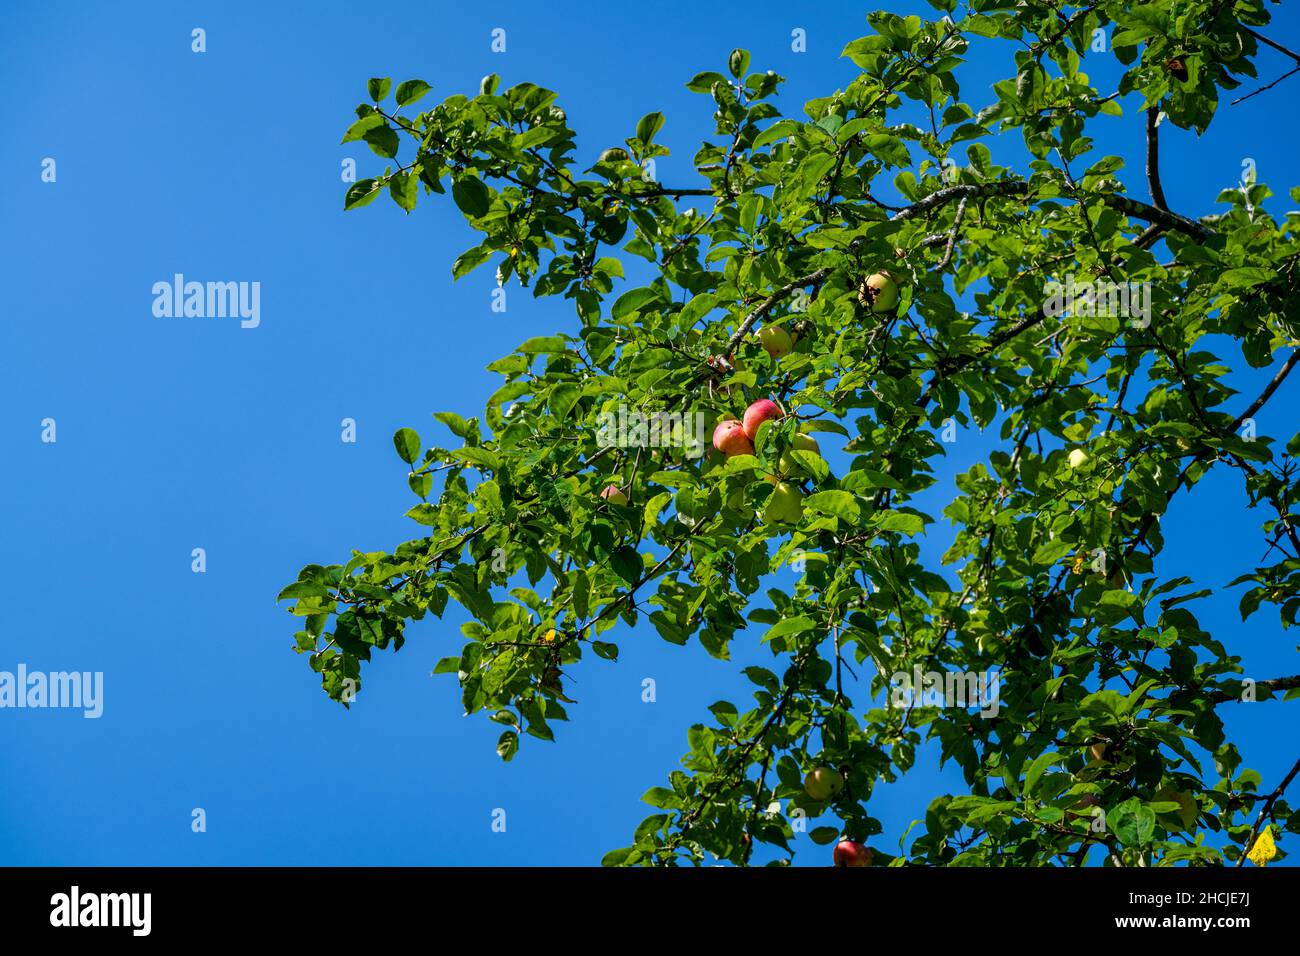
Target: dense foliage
{"type": "Point", "coordinates": [1108, 737]}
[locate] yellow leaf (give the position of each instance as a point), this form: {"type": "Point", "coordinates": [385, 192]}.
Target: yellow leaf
{"type": "Point", "coordinates": [1264, 849]}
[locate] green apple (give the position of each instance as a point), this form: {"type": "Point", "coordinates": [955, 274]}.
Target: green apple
{"type": "Point", "coordinates": [788, 465]}
{"type": "Point", "coordinates": [785, 506]}
{"type": "Point", "coordinates": [822, 783]}
{"type": "Point", "coordinates": [879, 292]}
{"type": "Point", "coordinates": [775, 340]}
{"type": "Point", "coordinates": [1078, 458]}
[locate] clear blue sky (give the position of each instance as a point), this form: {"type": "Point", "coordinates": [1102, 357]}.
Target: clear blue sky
{"type": "Point", "coordinates": [182, 433]}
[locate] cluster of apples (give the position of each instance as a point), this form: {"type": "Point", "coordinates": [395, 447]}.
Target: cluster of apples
{"type": "Point", "coordinates": [821, 784]}
{"type": "Point", "coordinates": [733, 437]}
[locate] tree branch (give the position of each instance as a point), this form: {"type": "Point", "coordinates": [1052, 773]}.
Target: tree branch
{"type": "Point", "coordinates": [1153, 159]}
{"type": "Point", "coordinates": [952, 235]}
{"type": "Point", "coordinates": [1276, 46]}
{"type": "Point", "coordinates": [1275, 683]}
{"type": "Point", "coordinates": [1267, 86]}
{"type": "Point", "coordinates": [1265, 810]}
{"type": "Point", "coordinates": [1152, 516]}
{"type": "Point", "coordinates": [768, 304]}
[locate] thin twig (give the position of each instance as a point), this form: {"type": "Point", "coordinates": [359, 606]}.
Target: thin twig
{"type": "Point", "coordinates": [1265, 810]}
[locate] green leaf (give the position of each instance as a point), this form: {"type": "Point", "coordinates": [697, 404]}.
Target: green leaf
{"type": "Point", "coordinates": [1132, 822]}
{"type": "Point", "coordinates": [662, 798]}
{"type": "Point", "coordinates": [633, 301]}
{"type": "Point", "coordinates": [469, 260]}
{"type": "Point", "coordinates": [362, 126]}
{"type": "Point", "coordinates": [703, 82]}
{"type": "Point", "coordinates": [1036, 769]}
{"type": "Point", "coordinates": [648, 125]}
{"type": "Point", "coordinates": [410, 91]}
{"type": "Point", "coordinates": [459, 427]}
{"type": "Point", "coordinates": [839, 504]}
{"type": "Point", "coordinates": [791, 625]}
{"type": "Point", "coordinates": [382, 140]}
{"type": "Point", "coordinates": [407, 443]}
{"type": "Point", "coordinates": [471, 196]}
{"type": "Point", "coordinates": [901, 521]}
{"type": "Point", "coordinates": [378, 88]}
{"type": "Point", "coordinates": [404, 188]}
{"type": "Point", "coordinates": [508, 745]}
{"type": "Point", "coordinates": [542, 344]}
{"type": "Point", "coordinates": [738, 63]}
{"type": "Point", "coordinates": [361, 193]}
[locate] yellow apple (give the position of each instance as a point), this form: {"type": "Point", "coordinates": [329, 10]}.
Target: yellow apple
{"type": "Point", "coordinates": [786, 504]}
{"type": "Point", "coordinates": [775, 340]}
{"type": "Point", "coordinates": [879, 292]}
{"type": "Point", "coordinates": [822, 783]}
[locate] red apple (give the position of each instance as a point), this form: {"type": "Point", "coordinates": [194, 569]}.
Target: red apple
{"type": "Point", "coordinates": [730, 439]}
{"type": "Point", "coordinates": [851, 853]}
{"type": "Point", "coordinates": [761, 411]}
{"type": "Point", "coordinates": [614, 494]}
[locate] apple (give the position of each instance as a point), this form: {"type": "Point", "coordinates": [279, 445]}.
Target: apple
{"type": "Point", "coordinates": [730, 438]}
{"type": "Point", "coordinates": [1078, 458]}
{"type": "Point", "coordinates": [759, 412]}
{"type": "Point", "coordinates": [614, 494]}
{"type": "Point", "coordinates": [822, 783]}
{"type": "Point", "coordinates": [879, 292]}
{"type": "Point", "coordinates": [851, 853]}
{"type": "Point", "coordinates": [775, 340]}
{"type": "Point", "coordinates": [788, 465]}
{"type": "Point", "coordinates": [786, 504]}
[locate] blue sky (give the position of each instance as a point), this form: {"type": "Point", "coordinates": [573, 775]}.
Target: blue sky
{"type": "Point", "coordinates": [182, 433]}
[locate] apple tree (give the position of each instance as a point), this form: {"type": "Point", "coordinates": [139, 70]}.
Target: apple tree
{"type": "Point", "coordinates": [1058, 304]}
